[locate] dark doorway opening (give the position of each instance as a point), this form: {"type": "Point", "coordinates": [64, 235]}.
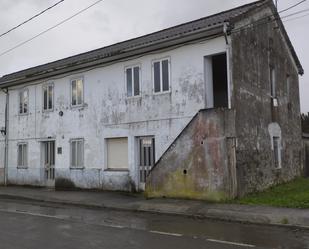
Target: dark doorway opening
{"type": "Point", "coordinates": [220, 80]}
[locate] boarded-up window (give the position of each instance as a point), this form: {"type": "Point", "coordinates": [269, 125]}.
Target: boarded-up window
{"type": "Point", "coordinates": [22, 160]}
{"type": "Point", "coordinates": [117, 153]}
{"type": "Point", "coordinates": [77, 153]}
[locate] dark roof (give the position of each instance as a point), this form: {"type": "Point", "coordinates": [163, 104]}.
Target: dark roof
{"type": "Point", "coordinates": [306, 135]}
{"type": "Point", "coordinates": [198, 29]}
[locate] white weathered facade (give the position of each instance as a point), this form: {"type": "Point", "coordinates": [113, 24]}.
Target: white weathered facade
{"type": "Point", "coordinates": [106, 113]}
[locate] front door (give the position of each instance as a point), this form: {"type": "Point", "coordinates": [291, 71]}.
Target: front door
{"type": "Point", "coordinates": [146, 159]}
{"type": "Point", "coordinates": [49, 162]}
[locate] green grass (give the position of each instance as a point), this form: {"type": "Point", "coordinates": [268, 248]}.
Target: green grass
{"type": "Point", "coordinates": [292, 195]}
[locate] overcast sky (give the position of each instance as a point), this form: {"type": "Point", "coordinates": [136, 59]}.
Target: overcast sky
{"type": "Point", "coordinates": [112, 21]}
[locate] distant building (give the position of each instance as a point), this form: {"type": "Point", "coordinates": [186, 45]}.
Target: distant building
{"type": "Point", "coordinates": [208, 109]}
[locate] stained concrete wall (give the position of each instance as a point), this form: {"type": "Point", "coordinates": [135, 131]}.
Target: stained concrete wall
{"type": "Point", "coordinates": [2, 142]}
{"type": "Point", "coordinates": [254, 49]}
{"type": "Point", "coordinates": [306, 151]}
{"type": "Point", "coordinates": [200, 164]}
{"type": "Point", "coordinates": [108, 113]}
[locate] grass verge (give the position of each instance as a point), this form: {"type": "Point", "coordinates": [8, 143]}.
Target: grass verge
{"type": "Point", "coordinates": [294, 194]}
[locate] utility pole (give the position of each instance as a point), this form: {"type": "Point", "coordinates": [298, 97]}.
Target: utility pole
{"type": "Point", "coordinates": [276, 3]}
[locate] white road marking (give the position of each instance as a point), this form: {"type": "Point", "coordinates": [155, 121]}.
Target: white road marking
{"type": "Point", "coordinates": [165, 233]}
{"type": "Point", "coordinates": [116, 226]}
{"type": "Point", "coordinates": [33, 214]}
{"type": "Point", "coordinates": [62, 217]}
{"type": "Point", "coordinates": [59, 217]}
{"type": "Point", "coordinates": [231, 243]}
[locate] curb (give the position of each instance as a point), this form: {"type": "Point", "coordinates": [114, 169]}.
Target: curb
{"type": "Point", "coordinates": [219, 215]}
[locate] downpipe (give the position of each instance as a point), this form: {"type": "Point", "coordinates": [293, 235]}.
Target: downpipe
{"type": "Point", "coordinates": [6, 135]}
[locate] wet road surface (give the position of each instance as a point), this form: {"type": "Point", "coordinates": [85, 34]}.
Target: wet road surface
{"type": "Point", "coordinates": [31, 225]}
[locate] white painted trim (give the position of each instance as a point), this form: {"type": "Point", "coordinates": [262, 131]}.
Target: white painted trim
{"type": "Point", "coordinates": [53, 97]}
{"type": "Point", "coordinates": [83, 153]}
{"type": "Point", "coordinates": [229, 77]}
{"type": "Point", "coordinates": [208, 78]}
{"type": "Point", "coordinates": [71, 92]}
{"type": "Point", "coordinates": [168, 58]}
{"type": "Point", "coordinates": [133, 79]}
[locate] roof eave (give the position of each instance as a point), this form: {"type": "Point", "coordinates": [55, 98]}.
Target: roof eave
{"type": "Point", "coordinates": [204, 34]}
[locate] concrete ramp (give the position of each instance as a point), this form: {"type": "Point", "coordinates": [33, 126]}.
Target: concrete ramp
{"type": "Point", "coordinates": [201, 162]}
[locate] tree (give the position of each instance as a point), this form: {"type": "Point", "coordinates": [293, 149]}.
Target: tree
{"type": "Point", "coordinates": [305, 122]}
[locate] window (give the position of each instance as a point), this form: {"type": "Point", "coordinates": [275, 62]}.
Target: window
{"type": "Point", "coordinates": [48, 97]}
{"type": "Point", "coordinates": [77, 153]}
{"type": "Point", "coordinates": [288, 85]}
{"type": "Point", "coordinates": [23, 101]}
{"type": "Point", "coordinates": [133, 81]}
{"type": "Point", "coordinates": [22, 160]}
{"type": "Point", "coordinates": [161, 75]}
{"type": "Point", "coordinates": [117, 153]}
{"type": "Point", "coordinates": [77, 88]}
{"type": "Point", "coordinates": [277, 152]}
{"type": "Point", "coordinates": [273, 92]}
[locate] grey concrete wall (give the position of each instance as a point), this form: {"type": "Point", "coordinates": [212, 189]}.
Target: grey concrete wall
{"type": "Point", "coordinates": [306, 151]}
{"type": "Point", "coordinates": [253, 50]}
{"type": "Point", "coordinates": [2, 124]}
{"type": "Point", "coordinates": [200, 164]}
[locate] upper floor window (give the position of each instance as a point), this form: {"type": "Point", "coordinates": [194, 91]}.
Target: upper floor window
{"type": "Point", "coordinates": [133, 81]}
{"type": "Point", "coordinates": [273, 91]}
{"type": "Point", "coordinates": [161, 75]}
{"type": "Point", "coordinates": [23, 101]}
{"type": "Point", "coordinates": [288, 87]}
{"type": "Point", "coordinates": [22, 160]}
{"type": "Point", "coordinates": [48, 97]}
{"type": "Point", "coordinates": [77, 92]}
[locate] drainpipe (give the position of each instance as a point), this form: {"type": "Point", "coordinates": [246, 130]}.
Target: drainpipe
{"type": "Point", "coordinates": [6, 133]}
{"type": "Point", "coordinates": [225, 31]}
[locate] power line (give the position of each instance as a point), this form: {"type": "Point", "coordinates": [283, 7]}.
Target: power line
{"type": "Point", "coordinates": [51, 28]}
{"type": "Point", "coordinates": [293, 6]}
{"type": "Point", "coordinates": [31, 18]}
{"type": "Point", "coordinates": [296, 18]}
{"type": "Point", "coordinates": [296, 13]}
{"type": "Point", "coordinates": [254, 24]}
{"type": "Point", "coordinates": [269, 19]}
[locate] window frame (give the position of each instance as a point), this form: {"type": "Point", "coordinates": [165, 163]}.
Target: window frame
{"type": "Point", "coordinates": [25, 162]}
{"type": "Point", "coordinates": [71, 92]}
{"type": "Point", "coordinates": [132, 67]}
{"type": "Point", "coordinates": [74, 140]}
{"type": "Point", "coordinates": [168, 58]}
{"type": "Point", "coordinates": [47, 85]}
{"type": "Point", "coordinates": [19, 102]}
{"type": "Point", "coordinates": [278, 153]}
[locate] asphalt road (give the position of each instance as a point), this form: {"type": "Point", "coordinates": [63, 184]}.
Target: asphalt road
{"type": "Point", "coordinates": [30, 225]}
